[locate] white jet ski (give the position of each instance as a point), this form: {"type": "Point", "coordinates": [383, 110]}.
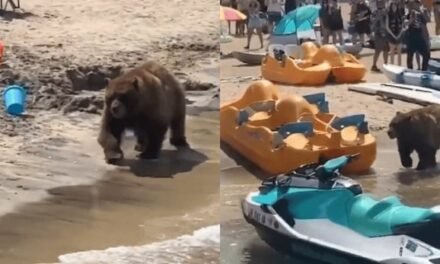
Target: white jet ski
{"type": "Point", "coordinates": [318, 213]}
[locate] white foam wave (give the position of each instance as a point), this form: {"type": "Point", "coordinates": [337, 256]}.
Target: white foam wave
{"type": "Point", "coordinates": [179, 250]}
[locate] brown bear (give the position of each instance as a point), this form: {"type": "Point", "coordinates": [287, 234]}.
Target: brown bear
{"type": "Point", "coordinates": [417, 130]}
{"type": "Point", "coordinates": [148, 100]}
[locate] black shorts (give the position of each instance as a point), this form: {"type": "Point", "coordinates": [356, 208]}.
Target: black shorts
{"type": "Point", "coordinates": [362, 28]}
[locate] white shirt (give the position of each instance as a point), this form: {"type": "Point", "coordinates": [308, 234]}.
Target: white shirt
{"type": "Point", "coordinates": [274, 5]}
{"type": "Point", "coordinates": [372, 5]}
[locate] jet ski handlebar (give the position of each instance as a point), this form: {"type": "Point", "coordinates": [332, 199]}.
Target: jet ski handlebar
{"type": "Point", "coordinates": [330, 169]}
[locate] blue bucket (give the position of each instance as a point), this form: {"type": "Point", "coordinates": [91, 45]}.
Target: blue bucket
{"type": "Point", "coordinates": [14, 97]}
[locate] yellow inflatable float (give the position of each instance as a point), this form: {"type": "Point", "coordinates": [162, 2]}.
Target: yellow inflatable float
{"type": "Point", "coordinates": [280, 133]}
{"type": "Point", "coordinates": [315, 67]}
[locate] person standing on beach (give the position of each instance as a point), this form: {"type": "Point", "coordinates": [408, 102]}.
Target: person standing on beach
{"type": "Point", "coordinates": [380, 35]}
{"type": "Point", "coordinates": [323, 21]}
{"type": "Point", "coordinates": [436, 9]}
{"type": "Point", "coordinates": [228, 3]}
{"type": "Point", "coordinates": [428, 4]}
{"type": "Point", "coordinates": [424, 11]}
{"type": "Point", "coordinates": [394, 22]}
{"type": "Point", "coordinates": [274, 12]}
{"type": "Point", "coordinates": [289, 5]}
{"type": "Point", "coordinates": [416, 38]}
{"type": "Point", "coordinates": [372, 4]}
{"type": "Point", "coordinates": [242, 6]}
{"type": "Point", "coordinates": [254, 23]}
{"type": "Point", "coordinates": [361, 21]}
{"type": "Point", "coordinates": [335, 23]}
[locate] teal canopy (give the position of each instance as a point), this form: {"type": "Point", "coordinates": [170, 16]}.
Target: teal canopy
{"type": "Point", "coordinates": [300, 19]}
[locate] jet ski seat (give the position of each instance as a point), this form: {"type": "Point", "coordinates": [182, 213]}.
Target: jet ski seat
{"type": "Point", "coordinates": [374, 218]}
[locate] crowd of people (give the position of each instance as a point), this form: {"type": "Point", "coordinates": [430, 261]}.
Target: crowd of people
{"type": "Point", "coordinates": [385, 25]}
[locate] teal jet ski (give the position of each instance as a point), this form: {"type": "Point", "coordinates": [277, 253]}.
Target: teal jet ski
{"type": "Point", "coordinates": [317, 212]}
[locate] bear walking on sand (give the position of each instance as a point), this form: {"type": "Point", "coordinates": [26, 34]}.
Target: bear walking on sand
{"type": "Point", "coordinates": [148, 100]}
{"type": "Point", "coordinates": [417, 130]}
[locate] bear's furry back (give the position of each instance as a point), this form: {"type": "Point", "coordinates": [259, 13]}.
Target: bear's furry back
{"type": "Point", "coordinates": [422, 126]}
{"type": "Point", "coordinates": [161, 96]}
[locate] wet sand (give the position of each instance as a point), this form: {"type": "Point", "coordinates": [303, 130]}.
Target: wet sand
{"type": "Point", "coordinates": [239, 241]}
{"type": "Point", "coordinates": [130, 205]}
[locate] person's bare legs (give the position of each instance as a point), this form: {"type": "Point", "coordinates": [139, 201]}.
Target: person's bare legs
{"type": "Point", "coordinates": [362, 39]}
{"type": "Point", "coordinates": [249, 37]}
{"type": "Point", "coordinates": [418, 60]}
{"type": "Point", "coordinates": [341, 38]}
{"type": "Point", "coordinates": [354, 38]}
{"type": "Point", "coordinates": [437, 21]}
{"type": "Point", "coordinates": [325, 36]}
{"type": "Point", "coordinates": [260, 35]}
{"type": "Point", "coordinates": [393, 49]}
{"type": "Point", "coordinates": [270, 27]}
{"type": "Point", "coordinates": [333, 34]}
{"type": "Point", "coordinates": [375, 59]}
{"type": "Point", "coordinates": [385, 56]}
{"type": "Point", "coordinates": [399, 54]}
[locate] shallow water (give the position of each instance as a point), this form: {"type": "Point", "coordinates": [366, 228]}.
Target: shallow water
{"type": "Point", "coordinates": [201, 247]}
{"type": "Point", "coordinates": [136, 204]}
{"type": "Point", "coordinates": [240, 243]}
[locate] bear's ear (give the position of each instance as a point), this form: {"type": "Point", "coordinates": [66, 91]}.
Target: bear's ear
{"type": "Point", "coordinates": [136, 84]}
{"type": "Point", "coordinates": [398, 113]}
{"type": "Point", "coordinates": [106, 81]}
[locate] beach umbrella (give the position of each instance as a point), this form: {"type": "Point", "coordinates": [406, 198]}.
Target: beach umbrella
{"type": "Point", "coordinates": [300, 19]}
{"type": "Point", "coordinates": [231, 14]}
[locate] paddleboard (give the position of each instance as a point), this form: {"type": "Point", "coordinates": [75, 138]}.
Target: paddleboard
{"type": "Point", "coordinates": [403, 75]}
{"type": "Point", "coordinates": [250, 58]}
{"type": "Point", "coordinates": [352, 49]}
{"type": "Point", "coordinates": [408, 93]}
{"type": "Point", "coordinates": [434, 65]}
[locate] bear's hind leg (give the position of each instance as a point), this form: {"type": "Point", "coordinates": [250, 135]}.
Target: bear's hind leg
{"type": "Point", "coordinates": [155, 136]}
{"type": "Point", "coordinates": [426, 158]}
{"type": "Point", "coordinates": [177, 127]}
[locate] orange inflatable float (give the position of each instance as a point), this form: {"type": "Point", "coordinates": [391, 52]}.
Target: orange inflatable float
{"type": "Point", "coordinates": [280, 133]}
{"type": "Point", "coordinates": [315, 67]}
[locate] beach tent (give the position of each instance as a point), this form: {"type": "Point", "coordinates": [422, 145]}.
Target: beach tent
{"type": "Point", "coordinates": [296, 24]}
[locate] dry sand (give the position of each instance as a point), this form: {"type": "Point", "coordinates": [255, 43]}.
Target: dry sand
{"type": "Point", "coordinates": [342, 102]}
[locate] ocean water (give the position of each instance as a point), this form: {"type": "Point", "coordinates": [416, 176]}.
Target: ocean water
{"type": "Point", "coordinates": [202, 246]}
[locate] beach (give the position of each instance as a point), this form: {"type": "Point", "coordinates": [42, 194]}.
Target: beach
{"type": "Point", "coordinates": [58, 195]}
{"type": "Point", "coordinates": [239, 242]}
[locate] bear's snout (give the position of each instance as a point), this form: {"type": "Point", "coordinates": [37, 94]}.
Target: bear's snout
{"type": "Point", "coordinates": [118, 109]}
